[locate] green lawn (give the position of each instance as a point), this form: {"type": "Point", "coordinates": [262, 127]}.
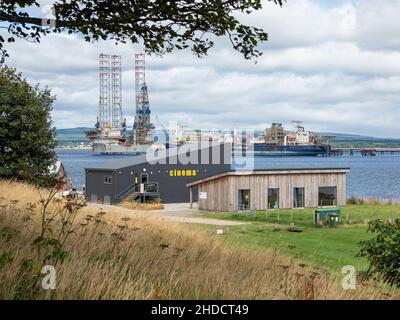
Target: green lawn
{"type": "Point", "coordinates": [330, 247]}
{"type": "Point", "coordinates": [350, 215]}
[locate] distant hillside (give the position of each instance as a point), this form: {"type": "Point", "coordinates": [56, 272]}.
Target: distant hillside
{"type": "Point", "coordinates": [74, 136]}
{"type": "Point", "coordinates": [352, 140]}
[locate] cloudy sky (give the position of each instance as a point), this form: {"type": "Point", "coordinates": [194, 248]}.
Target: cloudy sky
{"type": "Point", "coordinates": [335, 64]}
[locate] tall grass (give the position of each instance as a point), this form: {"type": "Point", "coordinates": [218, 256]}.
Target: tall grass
{"type": "Point", "coordinates": [122, 257]}
{"type": "Point", "coordinates": [371, 201]}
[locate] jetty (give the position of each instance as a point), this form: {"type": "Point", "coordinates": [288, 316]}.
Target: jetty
{"type": "Point", "coordinates": [371, 152]}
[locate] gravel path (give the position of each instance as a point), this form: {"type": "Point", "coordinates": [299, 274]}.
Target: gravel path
{"type": "Point", "coordinates": [174, 212]}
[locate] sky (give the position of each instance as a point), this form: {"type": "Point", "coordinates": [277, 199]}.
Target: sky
{"type": "Point", "coordinates": [334, 64]}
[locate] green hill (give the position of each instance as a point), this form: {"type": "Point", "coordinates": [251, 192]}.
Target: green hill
{"type": "Point", "coordinates": [352, 140]}
{"type": "Point", "coordinates": [71, 136]}
{"type": "Point", "coordinates": [75, 136]}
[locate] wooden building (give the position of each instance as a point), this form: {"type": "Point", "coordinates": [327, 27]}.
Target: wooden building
{"type": "Point", "coordinates": [271, 189]}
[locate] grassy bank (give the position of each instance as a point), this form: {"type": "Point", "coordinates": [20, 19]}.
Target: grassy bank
{"type": "Point", "coordinates": [332, 248]}
{"type": "Point", "coordinates": [147, 258]}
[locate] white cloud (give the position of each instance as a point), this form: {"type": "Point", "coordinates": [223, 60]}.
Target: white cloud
{"type": "Point", "coordinates": [336, 67]}
{"type": "Point", "coordinates": [377, 25]}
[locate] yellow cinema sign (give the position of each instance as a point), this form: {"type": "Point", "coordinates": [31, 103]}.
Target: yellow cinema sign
{"type": "Point", "coordinates": [182, 173]}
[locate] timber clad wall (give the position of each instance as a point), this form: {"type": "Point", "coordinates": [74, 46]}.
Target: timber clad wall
{"type": "Point", "coordinates": [222, 192]}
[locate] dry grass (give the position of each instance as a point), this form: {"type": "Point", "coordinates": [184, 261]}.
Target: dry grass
{"type": "Point", "coordinates": [142, 206]}
{"type": "Point", "coordinates": [147, 258]}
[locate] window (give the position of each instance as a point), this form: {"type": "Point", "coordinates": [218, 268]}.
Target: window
{"type": "Point", "coordinates": [298, 198]}
{"type": "Point", "coordinates": [152, 188]}
{"type": "Point", "coordinates": [273, 198]}
{"type": "Point", "coordinates": [108, 179]}
{"type": "Point", "coordinates": [244, 200]}
{"type": "Point", "coordinates": [327, 196]}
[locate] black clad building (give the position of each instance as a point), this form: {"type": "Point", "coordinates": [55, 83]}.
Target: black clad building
{"type": "Point", "coordinates": [159, 175]}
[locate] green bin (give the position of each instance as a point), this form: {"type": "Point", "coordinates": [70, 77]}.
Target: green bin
{"type": "Point", "coordinates": [334, 220]}
{"type": "Point", "coordinates": [322, 215]}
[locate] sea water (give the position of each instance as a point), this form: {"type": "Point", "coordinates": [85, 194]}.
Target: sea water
{"type": "Point", "coordinates": [369, 177]}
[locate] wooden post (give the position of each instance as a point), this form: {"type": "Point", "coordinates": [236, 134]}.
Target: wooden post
{"type": "Point", "coordinates": [191, 197]}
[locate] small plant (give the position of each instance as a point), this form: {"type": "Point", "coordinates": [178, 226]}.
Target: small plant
{"type": "Point", "coordinates": [6, 258]}
{"type": "Point", "coordinates": [260, 229]}
{"type": "Point", "coordinates": [355, 201]}
{"type": "Point", "coordinates": [276, 228]}
{"type": "Point", "coordinates": [57, 224]}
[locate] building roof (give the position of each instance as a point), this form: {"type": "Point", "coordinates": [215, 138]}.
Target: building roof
{"type": "Point", "coordinates": [269, 172]}
{"type": "Point", "coordinates": [56, 168]}
{"type": "Point", "coordinates": [130, 160]}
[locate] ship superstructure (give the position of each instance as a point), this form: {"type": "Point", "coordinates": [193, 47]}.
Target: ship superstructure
{"type": "Point", "coordinates": [278, 142]}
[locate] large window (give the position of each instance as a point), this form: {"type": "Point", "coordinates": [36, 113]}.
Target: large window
{"type": "Point", "coordinates": [298, 198]}
{"type": "Point", "coordinates": [244, 199]}
{"type": "Point", "coordinates": [273, 198]}
{"type": "Point", "coordinates": [327, 196]}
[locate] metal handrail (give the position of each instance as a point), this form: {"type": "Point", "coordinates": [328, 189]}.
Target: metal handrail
{"type": "Point", "coordinates": [124, 192]}
{"type": "Point", "coordinates": [129, 190]}
{"type": "Point", "coordinates": [151, 183]}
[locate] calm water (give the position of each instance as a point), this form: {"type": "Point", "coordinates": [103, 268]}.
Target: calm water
{"type": "Point", "coordinates": [369, 176]}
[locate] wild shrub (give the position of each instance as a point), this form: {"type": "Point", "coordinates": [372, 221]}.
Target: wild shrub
{"type": "Point", "coordinates": [383, 250]}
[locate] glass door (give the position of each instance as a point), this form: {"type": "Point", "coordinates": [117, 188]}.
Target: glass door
{"type": "Point", "coordinates": [244, 200]}
{"type": "Point", "coordinates": [273, 198]}
{"type": "Point", "coordinates": [298, 198]}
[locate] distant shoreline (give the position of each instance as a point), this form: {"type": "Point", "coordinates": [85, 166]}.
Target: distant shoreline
{"type": "Point", "coordinates": [74, 148]}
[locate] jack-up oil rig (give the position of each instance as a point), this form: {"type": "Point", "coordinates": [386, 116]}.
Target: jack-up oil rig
{"type": "Point", "coordinates": [111, 135]}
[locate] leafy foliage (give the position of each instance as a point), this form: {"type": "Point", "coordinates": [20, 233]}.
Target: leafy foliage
{"type": "Point", "coordinates": [26, 134]}
{"type": "Point", "coordinates": [160, 26]}
{"type": "Point", "coordinates": [383, 250]}
{"type": "Point", "coordinates": [6, 258]}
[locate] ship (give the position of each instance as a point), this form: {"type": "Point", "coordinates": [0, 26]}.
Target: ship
{"type": "Point", "coordinates": [277, 142]}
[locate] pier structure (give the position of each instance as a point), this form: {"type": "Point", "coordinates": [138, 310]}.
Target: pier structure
{"type": "Point", "coordinates": [371, 152]}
